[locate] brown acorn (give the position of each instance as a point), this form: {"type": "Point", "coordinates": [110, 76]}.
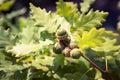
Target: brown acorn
{"type": "Point", "coordinates": [73, 45]}
{"type": "Point", "coordinates": [75, 53]}
{"type": "Point", "coordinates": [66, 52]}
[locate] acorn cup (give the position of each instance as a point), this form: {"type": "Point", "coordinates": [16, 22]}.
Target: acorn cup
{"type": "Point", "coordinates": [75, 53]}
{"type": "Point", "coordinates": [62, 34]}
{"type": "Point", "coordinates": [63, 37]}
{"type": "Point", "coordinates": [66, 52]}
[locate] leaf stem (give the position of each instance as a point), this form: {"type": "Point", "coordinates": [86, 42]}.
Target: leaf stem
{"type": "Point", "coordinates": [96, 66]}
{"type": "Point", "coordinates": [106, 63]}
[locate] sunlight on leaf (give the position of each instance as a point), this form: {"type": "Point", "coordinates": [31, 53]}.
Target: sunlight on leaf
{"type": "Point", "coordinates": [48, 20]}
{"type": "Point", "coordinates": [94, 38]}
{"type": "Point", "coordinates": [67, 9]}
{"type": "Point", "coordinates": [24, 49]}
{"type": "Point", "coordinates": [85, 5]}
{"type": "Point", "coordinates": [27, 35]}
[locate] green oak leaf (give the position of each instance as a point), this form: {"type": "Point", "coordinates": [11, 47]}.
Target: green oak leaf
{"type": "Point", "coordinates": [90, 20]}
{"type": "Point", "coordinates": [44, 18]}
{"type": "Point", "coordinates": [24, 38]}
{"type": "Point", "coordinates": [85, 5]}
{"type": "Point", "coordinates": [29, 33]}
{"type": "Point", "coordinates": [2, 55]}
{"type": "Point", "coordinates": [58, 61]}
{"type": "Point", "coordinates": [7, 39]}
{"type": "Point", "coordinates": [15, 13]}
{"type": "Point", "coordinates": [75, 76]}
{"type": "Point", "coordinates": [42, 62]}
{"type": "Point", "coordinates": [24, 49]}
{"type": "Point", "coordinates": [94, 38]}
{"type": "Point", "coordinates": [67, 9]}
{"type": "Point", "coordinates": [7, 66]}
{"type": "Point", "coordinates": [108, 46]}
{"type": "Point", "coordinates": [80, 21]}
{"type": "Point", "coordinates": [47, 20]}
{"type": "Point", "coordinates": [4, 35]}
{"type": "Point", "coordinates": [117, 60]}
{"type": "Point", "coordinates": [98, 75]}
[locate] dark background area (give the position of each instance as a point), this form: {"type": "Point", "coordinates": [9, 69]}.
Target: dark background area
{"type": "Point", "coordinates": [110, 6]}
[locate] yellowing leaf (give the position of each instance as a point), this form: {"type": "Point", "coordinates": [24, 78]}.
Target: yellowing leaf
{"type": "Point", "coordinates": [25, 59]}
{"type": "Point", "coordinates": [94, 38]}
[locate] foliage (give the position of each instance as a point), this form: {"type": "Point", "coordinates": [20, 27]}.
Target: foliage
{"type": "Point", "coordinates": [5, 5]}
{"type": "Point", "coordinates": [26, 47]}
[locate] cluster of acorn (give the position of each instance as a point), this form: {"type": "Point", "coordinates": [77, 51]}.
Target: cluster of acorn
{"type": "Point", "coordinates": [70, 49]}
{"type": "Point", "coordinates": [65, 46]}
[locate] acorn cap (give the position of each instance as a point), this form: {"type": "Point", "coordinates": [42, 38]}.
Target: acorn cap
{"type": "Point", "coordinates": [61, 32]}
{"type": "Point", "coordinates": [75, 53]}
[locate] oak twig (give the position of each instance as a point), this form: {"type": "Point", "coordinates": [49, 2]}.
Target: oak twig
{"type": "Point", "coordinates": [96, 66]}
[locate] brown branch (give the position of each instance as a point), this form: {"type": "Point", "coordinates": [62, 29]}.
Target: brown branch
{"type": "Point", "coordinates": [90, 61]}
{"type": "Point", "coordinates": [96, 66]}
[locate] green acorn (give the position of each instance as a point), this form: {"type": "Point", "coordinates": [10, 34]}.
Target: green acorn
{"type": "Point", "coordinates": [58, 47]}
{"type": "Point", "coordinates": [66, 52]}
{"type": "Point", "coordinates": [75, 53]}
{"type": "Point", "coordinates": [62, 34]}
{"type": "Point", "coordinates": [73, 45]}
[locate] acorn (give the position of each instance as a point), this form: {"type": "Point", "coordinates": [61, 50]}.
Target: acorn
{"type": "Point", "coordinates": [73, 45]}
{"type": "Point", "coordinates": [66, 52]}
{"type": "Point", "coordinates": [62, 34]}
{"type": "Point", "coordinates": [75, 53]}
{"type": "Point", "coordinates": [58, 47]}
